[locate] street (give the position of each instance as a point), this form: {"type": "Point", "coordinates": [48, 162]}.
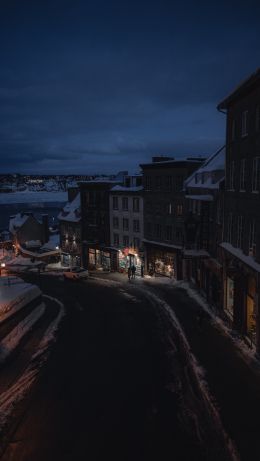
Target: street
{"type": "Point", "coordinates": [117, 384]}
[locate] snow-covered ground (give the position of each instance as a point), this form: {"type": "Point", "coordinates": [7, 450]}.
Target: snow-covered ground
{"type": "Point", "coordinates": [15, 294]}
{"type": "Point", "coordinates": [33, 197]}
{"type": "Point", "coordinates": [13, 339]}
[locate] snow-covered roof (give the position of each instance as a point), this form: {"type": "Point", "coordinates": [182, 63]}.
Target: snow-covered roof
{"type": "Point", "coordinates": [54, 241]}
{"type": "Point", "coordinates": [205, 177]}
{"type": "Point", "coordinates": [17, 221]}
{"type": "Point", "coordinates": [203, 198]}
{"type": "Point", "coordinates": [71, 211]}
{"type": "Point", "coordinates": [168, 245]}
{"type": "Point", "coordinates": [127, 189]}
{"type": "Point", "coordinates": [249, 260]}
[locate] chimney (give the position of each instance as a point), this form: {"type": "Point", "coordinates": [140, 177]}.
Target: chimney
{"type": "Point", "coordinates": [45, 225]}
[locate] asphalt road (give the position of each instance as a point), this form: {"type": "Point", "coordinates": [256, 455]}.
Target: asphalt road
{"type": "Point", "coordinates": [115, 387]}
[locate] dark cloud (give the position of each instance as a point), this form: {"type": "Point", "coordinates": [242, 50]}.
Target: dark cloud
{"type": "Point", "coordinates": [103, 85]}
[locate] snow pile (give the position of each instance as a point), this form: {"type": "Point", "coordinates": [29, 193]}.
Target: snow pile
{"type": "Point", "coordinates": [15, 296]}
{"type": "Point", "coordinates": [15, 394]}
{"type": "Point", "coordinates": [13, 339]}
{"type": "Point", "coordinates": [50, 333]}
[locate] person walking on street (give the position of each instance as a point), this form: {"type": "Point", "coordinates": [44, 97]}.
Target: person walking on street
{"type": "Point", "coordinates": [133, 271]}
{"type": "Point", "coordinates": [129, 273]}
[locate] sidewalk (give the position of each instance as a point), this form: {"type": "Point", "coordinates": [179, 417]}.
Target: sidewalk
{"type": "Point", "coordinates": [233, 382]}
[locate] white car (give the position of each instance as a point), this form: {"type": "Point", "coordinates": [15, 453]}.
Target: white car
{"type": "Point", "coordinates": [75, 273]}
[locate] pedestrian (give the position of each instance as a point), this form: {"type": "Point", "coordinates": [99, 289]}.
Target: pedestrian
{"type": "Point", "coordinates": [129, 273]}
{"type": "Point", "coordinates": [133, 271]}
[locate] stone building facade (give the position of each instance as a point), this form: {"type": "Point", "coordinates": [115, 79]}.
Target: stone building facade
{"type": "Point", "coordinates": [164, 213]}
{"type": "Point", "coordinates": [241, 239]}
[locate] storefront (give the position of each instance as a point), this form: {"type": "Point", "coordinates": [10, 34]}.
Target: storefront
{"type": "Point", "coordinates": [129, 257]}
{"type": "Point", "coordinates": [161, 262]}
{"type": "Point", "coordinates": [70, 260]}
{"type": "Point", "coordinates": [98, 259]}
{"type": "Point", "coordinates": [229, 307]}
{"type": "Point", "coordinates": [250, 308]}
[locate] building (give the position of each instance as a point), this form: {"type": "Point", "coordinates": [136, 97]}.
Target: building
{"type": "Point", "coordinates": [203, 226]}
{"type": "Point", "coordinates": [95, 225]}
{"type": "Point", "coordinates": [70, 229]}
{"type": "Point", "coordinates": [241, 238]}
{"type": "Point", "coordinates": [27, 231]}
{"type": "Point", "coordinates": [164, 213]}
{"type": "Point", "coordinates": [126, 222]}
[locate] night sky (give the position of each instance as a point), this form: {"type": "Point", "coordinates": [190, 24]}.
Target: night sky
{"type": "Point", "coordinates": [101, 86]}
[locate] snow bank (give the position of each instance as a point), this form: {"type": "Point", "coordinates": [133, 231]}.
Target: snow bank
{"type": "Point", "coordinates": [197, 370]}
{"type": "Point", "coordinates": [13, 339]}
{"type": "Point", "coordinates": [15, 394]}
{"type": "Point", "coordinates": [15, 296]}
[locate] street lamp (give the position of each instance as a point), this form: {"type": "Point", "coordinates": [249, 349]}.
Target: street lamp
{"type": "Point", "coordinates": [4, 267]}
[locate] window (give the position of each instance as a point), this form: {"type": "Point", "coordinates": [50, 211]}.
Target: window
{"type": "Point", "coordinates": [115, 222]}
{"type": "Point", "coordinates": [136, 225]}
{"type": "Point", "coordinates": [136, 242]}
{"type": "Point", "coordinates": [136, 204]}
{"type": "Point", "coordinates": [125, 203]}
{"type": "Point", "coordinates": [125, 240]}
{"type": "Point", "coordinates": [149, 228]}
{"type": "Point", "coordinates": [242, 175]}
{"type": "Point", "coordinates": [148, 183]}
{"type": "Point", "coordinates": [178, 183]}
{"type": "Point", "coordinates": [158, 182]}
{"type": "Point", "coordinates": [230, 228]}
{"type": "Point", "coordinates": [257, 119]}
{"type": "Point", "coordinates": [244, 127]}
{"type": "Point", "coordinates": [116, 239]}
{"type": "Point", "coordinates": [233, 130]}
{"type": "Point", "coordinates": [231, 175]}
{"type": "Point", "coordinates": [168, 183]}
{"type": "Point", "coordinates": [168, 233]}
{"type": "Point", "coordinates": [115, 203]}
{"type": "Point", "coordinates": [252, 245]}
{"type": "Point", "coordinates": [169, 208]}
{"type": "Point", "coordinates": [256, 174]}
{"type": "Point", "coordinates": [158, 231]}
{"type": "Point", "coordinates": [239, 231]}
{"type": "Point", "coordinates": [125, 224]}
{"type": "Point", "coordinates": [179, 210]}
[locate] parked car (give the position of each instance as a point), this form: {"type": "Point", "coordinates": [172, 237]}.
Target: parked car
{"type": "Point", "coordinates": [75, 273]}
